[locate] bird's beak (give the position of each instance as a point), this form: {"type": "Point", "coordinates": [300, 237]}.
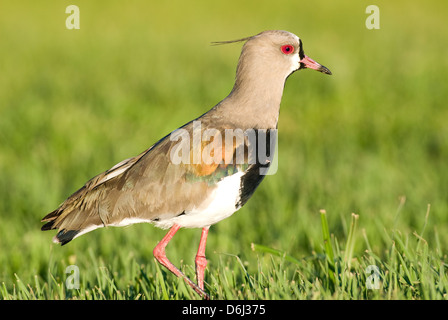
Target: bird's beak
{"type": "Point", "coordinates": [307, 62]}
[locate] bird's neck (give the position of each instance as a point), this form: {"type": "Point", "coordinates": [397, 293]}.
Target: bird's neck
{"type": "Point", "coordinates": [255, 101]}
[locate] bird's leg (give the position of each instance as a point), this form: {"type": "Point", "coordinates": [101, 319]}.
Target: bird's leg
{"type": "Point", "coordinates": [159, 251]}
{"type": "Point", "coordinates": [160, 255]}
{"type": "Point", "coordinates": [200, 260]}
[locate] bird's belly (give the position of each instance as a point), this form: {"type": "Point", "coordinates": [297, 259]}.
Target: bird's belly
{"type": "Point", "coordinates": [221, 204]}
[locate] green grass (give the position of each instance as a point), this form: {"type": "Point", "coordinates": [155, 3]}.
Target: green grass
{"type": "Point", "coordinates": [362, 178]}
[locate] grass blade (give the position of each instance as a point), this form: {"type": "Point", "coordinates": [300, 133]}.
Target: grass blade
{"type": "Point", "coordinates": [327, 246]}
{"type": "Point", "coordinates": [275, 252]}
{"type": "Point", "coordinates": [350, 245]}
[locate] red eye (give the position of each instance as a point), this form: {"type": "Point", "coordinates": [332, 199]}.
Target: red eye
{"type": "Point", "coordinates": [287, 49]}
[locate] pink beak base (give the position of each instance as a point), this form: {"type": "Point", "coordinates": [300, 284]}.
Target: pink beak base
{"type": "Point", "coordinates": [311, 64]}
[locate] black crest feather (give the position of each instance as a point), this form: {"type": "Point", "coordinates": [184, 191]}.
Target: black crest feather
{"type": "Point", "coordinates": [218, 43]}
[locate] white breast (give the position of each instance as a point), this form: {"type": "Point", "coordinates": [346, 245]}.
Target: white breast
{"type": "Point", "coordinates": [220, 205]}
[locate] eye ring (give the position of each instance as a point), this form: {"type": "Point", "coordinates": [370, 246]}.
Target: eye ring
{"type": "Point", "coordinates": [287, 49]}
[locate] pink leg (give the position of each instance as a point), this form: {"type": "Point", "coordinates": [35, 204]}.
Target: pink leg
{"type": "Point", "coordinates": [201, 262]}
{"type": "Point", "coordinates": [160, 255]}
{"type": "Point", "coordinates": [159, 251]}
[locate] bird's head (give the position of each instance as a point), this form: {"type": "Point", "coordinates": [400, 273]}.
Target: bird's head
{"type": "Point", "coordinates": [275, 53]}
{"type": "Point", "coordinates": [283, 51]}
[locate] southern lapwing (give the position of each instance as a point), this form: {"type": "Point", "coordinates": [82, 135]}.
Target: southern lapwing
{"type": "Point", "coordinates": [204, 171]}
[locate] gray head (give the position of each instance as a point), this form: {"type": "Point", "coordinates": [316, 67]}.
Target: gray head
{"type": "Point", "coordinates": [266, 61]}
{"type": "Point", "coordinates": [275, 53]}
{"type": "Point", "coordinates": [270, 57]}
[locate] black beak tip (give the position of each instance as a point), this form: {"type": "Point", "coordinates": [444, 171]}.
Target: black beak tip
{"type": "Point", "coordinates": [325, 70]}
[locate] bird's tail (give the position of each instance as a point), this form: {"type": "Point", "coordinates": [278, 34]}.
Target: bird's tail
{"type": "Point", "coordinates": [67, 227]}
{"type": "Point", "coordinates": [74, 217]}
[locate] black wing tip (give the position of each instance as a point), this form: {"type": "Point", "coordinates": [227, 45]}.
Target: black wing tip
{"type": "Point", "coordinates": [48, 226]}
{"type": "Point", "coordinates": [65, 236]}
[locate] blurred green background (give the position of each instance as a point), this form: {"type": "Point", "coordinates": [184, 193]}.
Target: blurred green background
{"type": "Point", "coordinates": [370, 139]}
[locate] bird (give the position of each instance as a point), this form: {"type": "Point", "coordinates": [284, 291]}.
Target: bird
{"type": "Point", "coordinates": [202, 172]}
